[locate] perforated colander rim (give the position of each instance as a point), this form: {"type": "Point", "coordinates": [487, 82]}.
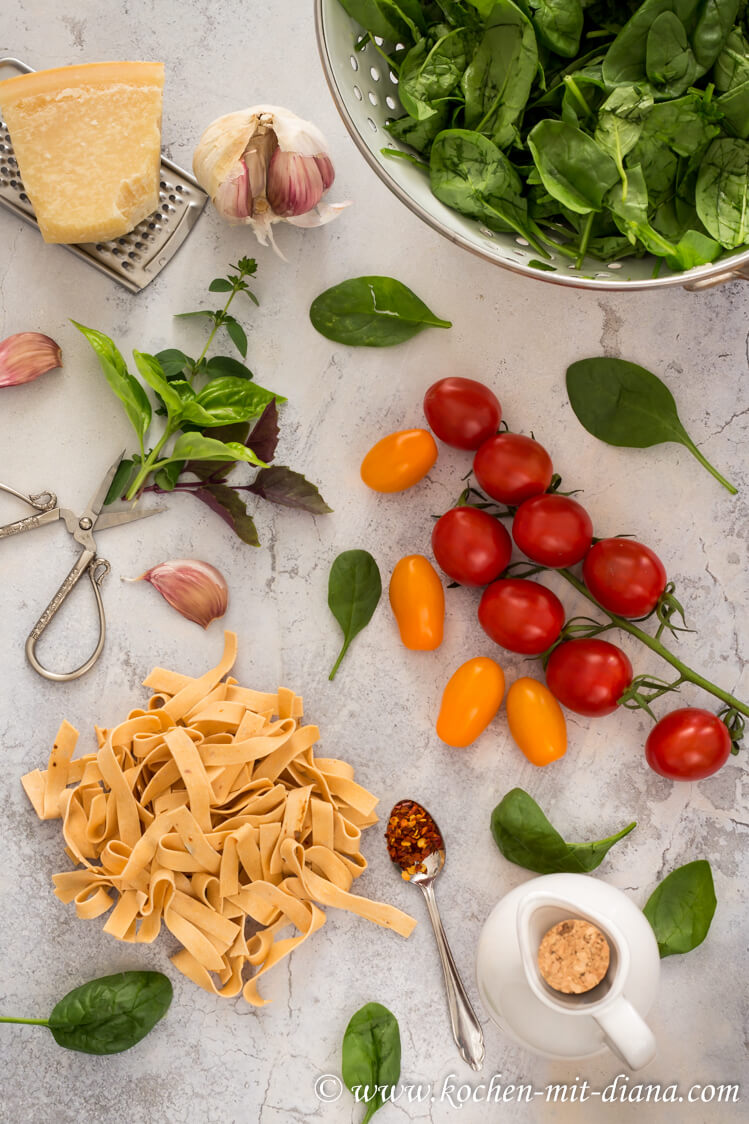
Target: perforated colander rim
{"type": "Point", "coordinates": [725, 269]}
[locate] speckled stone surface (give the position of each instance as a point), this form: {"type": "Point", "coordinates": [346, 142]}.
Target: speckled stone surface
{"type": "Point", "coordinates": [213, 1060]}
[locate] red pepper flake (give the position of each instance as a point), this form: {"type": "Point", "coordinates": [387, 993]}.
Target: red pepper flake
{"type": "Point", "coordinates": [411, 836]}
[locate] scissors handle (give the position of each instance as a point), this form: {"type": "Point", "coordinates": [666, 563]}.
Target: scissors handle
{"type": "Point", "coordinates": [97, 569]}
{"type": "Point", "coordinates": [27, 524]}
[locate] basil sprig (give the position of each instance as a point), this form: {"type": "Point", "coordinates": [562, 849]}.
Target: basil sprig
{"type": "Point", "coordinates": [624, 404]}
{"type": "Point", "coordinates": [109, 1014]}
{"type": "Point", "coordinates": [354, 590]}
{"type": "Point", "coordinates": [681, 908]}
{"type": "Point", "coordinates": [371, 1055]}
{"type": "Point", "coordinates": [525, 836]}
{"type": "Point", "coordinates": [371, 312]}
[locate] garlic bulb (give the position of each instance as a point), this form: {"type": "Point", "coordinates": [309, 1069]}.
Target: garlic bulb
{"type": "Point", "coordinates": [195, 589]}
{"type": "Point", "coordinates": [264, 165]}
{"type": "Point", "coordinates": [27, 355]}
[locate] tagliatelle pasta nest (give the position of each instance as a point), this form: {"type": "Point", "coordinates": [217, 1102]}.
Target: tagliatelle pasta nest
{"type": "Point", "coordinates": [209, 810]}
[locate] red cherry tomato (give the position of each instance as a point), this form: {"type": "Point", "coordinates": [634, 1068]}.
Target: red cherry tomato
{"type": "Point", "coordinates": [521, 616]}
{"type": "Point", "coordinates": [553, 530]}
{"type": "Point", "coordinates": [462, 412]}
{"type": "Point", "coordinates": [512, 468]}
{"type": "Point", "coordinates": [470, 546]}
{"type": "Point", "coordinates": [688, 745]}
{"type": "Point", "coordinates": [588, 676]}
{"type": "Point", "coordinates": [624, 576]}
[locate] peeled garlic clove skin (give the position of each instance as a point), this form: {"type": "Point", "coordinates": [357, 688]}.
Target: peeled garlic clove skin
{"type": "Point", "coordinates": [295, 184]}
{"type": "Point", "coordinates": [233, 199]}
{"type": "Point", "coordinates": [221, 148]}
{"type": "Point", "coordinates": [195, 589]}
{"type": "Point", "coordinates": [322, 214]}
{"type": "Point", "coordinates": [27, 355]}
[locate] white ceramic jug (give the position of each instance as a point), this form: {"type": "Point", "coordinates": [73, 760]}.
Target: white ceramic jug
{"type": "Point", "coordinates": [570, 1026]}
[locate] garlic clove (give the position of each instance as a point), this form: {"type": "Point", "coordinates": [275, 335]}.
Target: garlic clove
{"type": "Point", "coordinates": [326, 170]}
{"type": "Point", "coordinates": [233, 200]}
{"type": "Point", "coordinates": [27, 355]}
{"type": "Point", "coordinates": [295, 185]}
{"type": "Point", "coordinates": [195, 589]}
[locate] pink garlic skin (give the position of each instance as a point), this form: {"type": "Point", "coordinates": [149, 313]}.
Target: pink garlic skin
{"type": "Point", "coordinates": [195, 589]}
{"type": "Point", "coordinates": [233, 200]}
{"type": "Point", "coordinates": [27, 355]}
{"type": "Point", "coordinates": [295, 183]}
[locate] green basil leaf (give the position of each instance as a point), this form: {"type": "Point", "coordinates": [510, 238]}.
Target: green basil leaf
{"type": "Point", "coordinates": [225, 400]}
{"type": "Point", "coordinates": [152, 372]}
{"type": "Point", "coordinates": [194, 446]}
{"type": "Point", "coordinates": [218, 470]}
{"type": "Point", "coordinates": [201, 312]}
{"type": "Point", "coordinates": [525, 836]}
{"type": "Point", "coordinates": [231, 508]}
{"type": "Point", "coordinates": [173, 362]}
{"type": "Point", "coordinates": [354, 590]}
{"type": "Point", "coordinates": [111, 1014]}
{"type": "Point", "coordinates": [283, 486]}
{"type": "Point", "coordinates": [624, 404]}
{"type": "Point", "coordinates": [571, 165]}
{"type": "Point", "coordinates": [225, 365]}
{"type": "Point", "coordinates": [237, 334]}
{"type": "Point", "coordinates": [125, 386]}
{"type": "Point", "coordinates": [120, 481]}
{"type": "Point", "coordinates": [723, 191]}
{"type": "Point", "coordinates": [681, 908]}
{"type": "Point", "coordinates": [498, 81]}
{"type": "Point", "coordinates": [167, 476]}
{"type": "Point", "coordinates": [371, 312]}
{"type": "Point", "coordinates": [371, 1055]}
{"type": "Point", "coordinates": [220, 285]}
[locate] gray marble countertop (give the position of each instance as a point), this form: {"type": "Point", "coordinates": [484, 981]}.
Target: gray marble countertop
{"type": "Point", "coordinates": [215, 1060]}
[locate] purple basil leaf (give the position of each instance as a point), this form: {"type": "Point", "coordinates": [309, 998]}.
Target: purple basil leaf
{"type": "Point", "coordinates": [232, 509]}
{"type": "Point", "coordinates": [264, 436]}
{"type": "Point", "coordinates": [282, 485]}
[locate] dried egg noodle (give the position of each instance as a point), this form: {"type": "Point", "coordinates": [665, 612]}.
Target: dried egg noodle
{"type": "Point", "coordinates": [208, 810]}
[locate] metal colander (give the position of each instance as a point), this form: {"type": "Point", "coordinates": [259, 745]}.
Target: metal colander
{"type": "Point", "coordinates": [366, 93]}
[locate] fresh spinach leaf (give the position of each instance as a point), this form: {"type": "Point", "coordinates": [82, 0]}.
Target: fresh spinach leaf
{"type": "Point", "coordinates": [354, 590]}
{"type": "Point", "coordinates": [370, 14]}
{"type": "Point", "coordinates": [371, 1055]}
{"type": "Point", "coordinates": [732, 65]}
{"type": "Point", "coordinates": [669, 62]}
{"type": "Point", "coordinates": [430, 74]}
{"type": "Point", "coordinates": [624, 404]}
{"type": "Point", "coordinates": [714, 25]}
{"type": "Point", "coordinates": [420, 134]}
{"type": "Point", "coordinates": [681, 908]}
{"type": "Point", "coordinates": [620, 123]}
{"type": "Point", "coordinates": [722, 194]}
{"type": "Point", "coordinates": [525, 836]}
{"type": "Point", "coordinates": [734, 105]}
{"type": "Point", "coordinates": [371, 312]}
{"type": "Point", "coordinates": [498, 80]}
{"type": "Point", "coordinates": [125, 386]}
{"type": "Point", "coordinates": [283, 486]}
{"type": "Point", "coordinates": [571, 165]}
{"type": "Point", "coordinates": [559, 24]}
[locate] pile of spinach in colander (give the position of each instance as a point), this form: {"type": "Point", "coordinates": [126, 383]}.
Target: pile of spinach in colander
{"type": "Point", "coordinates": [609, 129]}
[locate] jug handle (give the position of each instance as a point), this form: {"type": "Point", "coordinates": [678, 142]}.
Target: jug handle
{"type": "Point", "coordinates": [627, 1033]}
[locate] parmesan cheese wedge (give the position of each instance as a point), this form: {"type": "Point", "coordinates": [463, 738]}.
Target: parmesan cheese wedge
{"type": "Point", "coordinates": [88, 144]}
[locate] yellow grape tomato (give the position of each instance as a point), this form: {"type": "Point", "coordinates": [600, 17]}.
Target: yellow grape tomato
{"type": "Point", "coordinates": [418, 603]}
{"type": "Point", "coordinates": [399, 460]}
{"type": "Point", "coordinates": [536, 721]}
{"type": "Point", "coordinates": [470, 701]}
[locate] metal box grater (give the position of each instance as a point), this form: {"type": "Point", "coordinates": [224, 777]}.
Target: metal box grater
{"type": "Point", "coordinates": [136, 258]}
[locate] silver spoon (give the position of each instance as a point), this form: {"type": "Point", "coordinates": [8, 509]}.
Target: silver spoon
{"type": "Point", "coordinates": [469, 1037]}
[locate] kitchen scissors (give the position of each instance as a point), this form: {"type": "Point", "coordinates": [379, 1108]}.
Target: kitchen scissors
{"type": "Point", "coordinates": [81, 527]}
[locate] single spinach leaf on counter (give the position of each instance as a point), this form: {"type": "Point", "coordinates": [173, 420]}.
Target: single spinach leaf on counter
{"type": "Point", "coordinates": [498, 81]}
{"type": "Point", "coordinates": [681, 908]}
{"type": "Point", "coordinates": [371, 312]}
{"type": "Point", "coordinates": [624, 404]}
{"type": "Point", "coordinates": [354, 590]}
{"type": "Point", "coordinates": [571, 165]}
{"type": "Point", "coordinates": [371, 1055]}
{"type": "Point", "coordinates": [125, 386]}
{"type": "Point", "coordinates": [110, 1014]}
{"type": "Point", "coordinates": [525, 836]}
{"type": "Point", "coordinates": [723, 191]}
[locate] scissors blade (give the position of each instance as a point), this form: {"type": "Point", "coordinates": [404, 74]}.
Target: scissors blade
{"type": "Point", "coordinates": [118, 518]}
{"type": "Point", "coordinates": [97, 500]}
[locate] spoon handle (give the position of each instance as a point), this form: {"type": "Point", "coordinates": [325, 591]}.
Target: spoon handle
{"type": "Point", "coordinates": [467, 1032]}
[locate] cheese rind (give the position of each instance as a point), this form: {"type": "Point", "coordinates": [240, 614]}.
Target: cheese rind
{"type": "Point", "coordinates": [88, 144]}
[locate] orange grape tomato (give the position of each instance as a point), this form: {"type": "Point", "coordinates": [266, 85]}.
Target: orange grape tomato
{"type": "Point", "coordinates": [536, 721]}
{"type": "Point", "coordinates": [399, 460]}
{"type": "Point", "coordinates": [470, 701]}
{"type": "Point", "coordinates": [418, 603]}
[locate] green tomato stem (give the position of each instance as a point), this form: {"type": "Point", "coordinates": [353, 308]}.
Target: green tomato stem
{"type": "Point", "coordinates": [655, 645]}
{"type": "Point", "coordinates": [32, 1022]}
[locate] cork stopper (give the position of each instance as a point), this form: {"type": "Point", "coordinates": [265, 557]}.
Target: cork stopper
{"type": "Point", "coordinates": [573, 957]}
